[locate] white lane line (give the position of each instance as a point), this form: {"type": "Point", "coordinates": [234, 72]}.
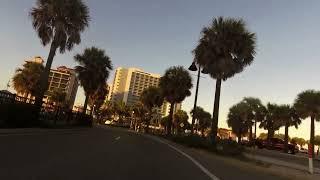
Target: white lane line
{"type": "Point", "coordinates": [201, 167]}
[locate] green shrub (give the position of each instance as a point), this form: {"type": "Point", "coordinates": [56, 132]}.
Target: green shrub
{"type": "Point", "coordinates": [192, 141]}
{"type": "Point", "coordinates": [228, 147]}
{"type": "Point", "coordinates": [83, 120]}
{"type": "Point", "coordinates": [18, 115]}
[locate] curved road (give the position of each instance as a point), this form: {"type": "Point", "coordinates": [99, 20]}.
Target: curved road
{"type": "Point", "coordinates": [103, 154]}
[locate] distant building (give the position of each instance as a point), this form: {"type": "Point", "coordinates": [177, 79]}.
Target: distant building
{"type": "Point", "coordinates": [36, 59]}
{"type": "Point", "coordinates": [65, 80]}
{"type": "Point", "coordinates": [129, 83]}
{"type": "Point", "coordinates": [226, 134]}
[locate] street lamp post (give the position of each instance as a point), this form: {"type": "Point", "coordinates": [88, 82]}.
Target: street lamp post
{"type": "Point", "coordinates": [193, 67]}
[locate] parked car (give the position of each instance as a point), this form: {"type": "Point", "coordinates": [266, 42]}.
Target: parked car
{"type": "Point", "coordinates": [303, 150]}
{"type": "Point", "coordinates": [277, 144]}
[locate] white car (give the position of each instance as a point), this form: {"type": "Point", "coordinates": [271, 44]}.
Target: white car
{"type": "Point", "coordinates": [108, 122]}
{"type": "Point", "coordinates": [303, 150]}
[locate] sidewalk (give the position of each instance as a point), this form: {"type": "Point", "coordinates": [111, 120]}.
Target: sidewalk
{"type": "Point", "coordinates": [280, 162]}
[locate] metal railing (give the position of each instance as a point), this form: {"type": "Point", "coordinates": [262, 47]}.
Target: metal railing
{"type": "Point", "coordinates": [49, 113]}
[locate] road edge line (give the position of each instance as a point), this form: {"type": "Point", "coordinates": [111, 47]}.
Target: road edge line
{"type": "Point", "coordinates": [195, 162]}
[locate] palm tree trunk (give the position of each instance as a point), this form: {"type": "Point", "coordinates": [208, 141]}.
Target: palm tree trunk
{"type": "Point", "coordinates": [286, 137]}
{"type": "Point", "coordinates": [239, 135]}
{"type": "Point", "coordinates": [169, 128]}
{"type": "Point", "coordinates": [250, 134]}
{"type": "Point", "coordinates": [147, 126]}
{"type": "Point", "coordinates": [202, 132]}
{"type": "Point", "coordinates": [45, 75]}
{"type": "Point", "coordinates": [270, 134]}
{"type": "Point", "coordinates": [91, 110]}
{"type": "Point", "coordinates": [312, 135]}
{"type": "Point", "coordinates": [214, 124]}
{"type": "Point", "coordinates": [255, 129]}
{"type": "Point", "coordinates": [85, 105]}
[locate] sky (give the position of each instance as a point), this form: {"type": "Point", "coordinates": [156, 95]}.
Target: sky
{"type": "Point", "coordinates": [154, 35]}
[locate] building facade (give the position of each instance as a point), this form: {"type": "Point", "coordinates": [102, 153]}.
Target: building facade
{"type": "Point", "coordinates": [129, 84]}
{"type": "Point", "coordinates": [64, 79]}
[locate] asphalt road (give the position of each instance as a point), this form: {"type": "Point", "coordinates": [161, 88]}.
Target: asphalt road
{"type": "Point", "coordinates": [106, 154]}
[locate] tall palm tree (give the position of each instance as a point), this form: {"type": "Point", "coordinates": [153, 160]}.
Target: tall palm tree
{"type": "Point", "coordinates": [271, 121]}
{"type": "Point", "coordinates": [307, 104]}
{"type": "Point", "coordinates": [151, 98]}
{"type": "Point", "coordinates": [299, 141]}
{"type": "Point", "coordinates": [97, 99]}
{"type": "Point", "coordinates": [202, 117]}
{"type": "Point", "coordinates": [93, 71]}
{"type": "Point", "coordinates": [58, 97]}
{"type": "Point", "coordinates": [181, 121]}
{"type": "Point", "coordinates": [121, 109]}
{"type": "Point", "coordinates": [27, 79]}
{"type": "Point", "coordinates": [225, 48]}
{"type": "Point", "coordinates": [175, 86]}
{"type": "Point", "coordinates": [139, 112]}
{"type": "Point", "coordinates": [257, 113]}
{"type": "Point", "coordinates": [288, 117]}
{"type": "Point", "coordinates": [59, 22]}
{"type": "Point", "coordinates": [237, 119]}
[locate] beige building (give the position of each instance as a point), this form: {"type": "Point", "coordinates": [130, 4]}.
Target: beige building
{"type": "Point", "coordinates": [36, 59]}
{"type": "Point", "coordinates": [129, 83]}
{"type": "Point", "coordinates": [62, 78]}
{"type": "Point", "coordinates": [65, 80]}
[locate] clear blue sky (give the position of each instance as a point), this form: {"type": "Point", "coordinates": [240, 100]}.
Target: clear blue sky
{"type": "Point", "coordinates": [154, 35]}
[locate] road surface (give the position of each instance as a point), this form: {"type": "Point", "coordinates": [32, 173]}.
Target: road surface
{"type": "Point", "coordinates": [114, 154]}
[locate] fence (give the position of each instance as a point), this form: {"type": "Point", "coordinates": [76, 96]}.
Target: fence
{"type": "Point", "coordinates": [17, 111]}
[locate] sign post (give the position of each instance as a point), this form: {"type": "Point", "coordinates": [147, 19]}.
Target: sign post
{"type": "Point", "coordinates": [310, 153]}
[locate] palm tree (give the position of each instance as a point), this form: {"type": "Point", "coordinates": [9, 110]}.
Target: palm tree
{"type": "Point", "coordinates": [175, 86]}
{"type": "Point", "coordinates": [164, 123]}
{"type": "Point", "coordinates": [202, 117]}
{"type": "Point", "coordinates": [97, 99]}
{"type": "Point", "coordinates": [181, 121]}
{"type": "Point", "coordinates": [93, 71]}
{"type": "Point", "coordinates": [299, 141]}
{"type": "Point", "coordinates": [121, 109]}
{"type": "Point", "coordinates": [225, 48]}
{"type": "Point", "coordinates": [139, 112]}
{"type": "Point", "coordinates": [151, 98]}
{"type": "Point", "coordinates": [237, 119]}
{"type": "Point", "coordinates": [257, 113]}
{"type": "Point", "coordinates": [58, 97]}
{"type": "Point", "coordinates": [204, 121]}
{"type": "Point", "coordinates": [307, 104]}
{"type": "Point", "coordinates": [59, 22]}
{"type": "Point", "coordinates": [288, 117]}
{"type": "Point", "coordinates": [271, 122]}
{"type": "Point", "coordinates": [27, 79]}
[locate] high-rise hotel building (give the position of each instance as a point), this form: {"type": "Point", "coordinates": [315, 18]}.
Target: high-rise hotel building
{"type": "Point", "coordinates": [63, 79]}
{"type": "Point", "coordinates": [129, 83]}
